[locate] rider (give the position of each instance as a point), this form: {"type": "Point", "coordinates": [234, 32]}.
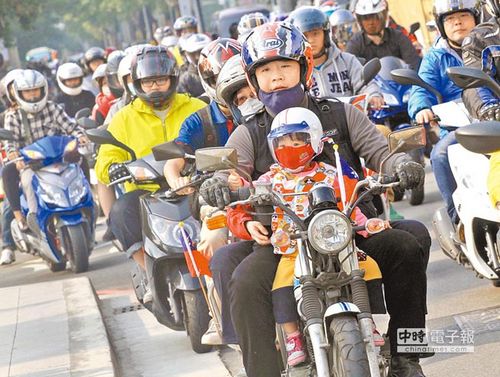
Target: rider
{"type": "Point", "coordinates": [73, 97]}
{"type": "Point", "coordinates": [278, 63]}
{"type": "Point", "coordinates": [104, 99]}
{"type": "Point", "coordinates": [455, 21]}
{"type": "Point", "coordinates": [336, 73]}
{"type": "Point", "coordinates": [35, 118]}
{"type": "Point", "coordinates": [344, 26]}
{"type": "Point", "coordinates": [153, 117]}
{"type": "Point", "coordinates": [189, 80]}
{"type": "Point", "coordinates": [376, 40]}
{"type": "Point", "coordinates": [93, 58]}
{"type": "Point", "coordinates": [248, 22]}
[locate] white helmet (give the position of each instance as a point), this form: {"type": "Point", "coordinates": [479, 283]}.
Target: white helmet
{"type": "Point", "coordinates": [124, 70]}
{"type": "Point", "coordinates": [306, 126]}
{"type": "Point", "coordinates": [99, 73]}
{"type": "Point", "coordinates": [170, 41]}
{"type": "Point", "coordinates": [30, 79]}
{"type": "Point", "coordinates": [195, 42]}
{"type": "Point", "coordinates": [68, 71]}
{"type": "Point", "coordinates": [366, 7]}
{"type": "Point", "coordinates": [6, 81]}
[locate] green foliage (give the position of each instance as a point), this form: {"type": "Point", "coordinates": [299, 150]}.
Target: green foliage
{"type": "Point", "coordinates": [15, 11]}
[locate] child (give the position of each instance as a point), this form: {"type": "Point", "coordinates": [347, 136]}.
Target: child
{"type": "Point", "coordinates": [294, 140]}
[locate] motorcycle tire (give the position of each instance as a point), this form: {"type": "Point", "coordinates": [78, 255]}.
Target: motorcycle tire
{"type": "Point", "coordinates": [496, 283]}
{"type": "Point", "coordinates": [76, 247]}
{"type": "Point", "coordinates": [349, 353]}
{"type": "Point", "coordinates": [417, 196]}
{"type": "Point", "coordinates": [56, 267]}
{"type": "Point", "coordinates": [196, 318]}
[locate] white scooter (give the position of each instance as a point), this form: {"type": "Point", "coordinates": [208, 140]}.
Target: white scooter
{"type": "Point", "coordinates": [473, 242]}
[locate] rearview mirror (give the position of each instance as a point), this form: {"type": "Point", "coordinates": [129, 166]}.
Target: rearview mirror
{"type": "Point", "coordinates": [6, 135]}
{"type": "Point", "coordinates": [86, 123]}
{"type": "Point", "coordinates": [370, 70]}
{"type": "Point", "coordinates": [212, 159]}
{"type": "Point", "coordinates": [468, 78]}
{"type": "Point", "coordinates": [100, 136]}
{"type": "Point", "coordinates": [405, 76]}
{"type": "Point", "coordinates": [168, 151]}
{"type": "Point", "coordinates": [407, 139]}
{"type": "Point", "coordinates": [483, 137]}
{"type": "Point", "coordinates": [83, 113]}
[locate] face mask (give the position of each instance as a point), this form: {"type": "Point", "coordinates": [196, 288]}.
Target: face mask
{"type": "Point", "coordinates": [250, 107]}
{"type": "Point", "coordinates": [294, 158]}
{"type": "Point", "coordinates": [131, 88]}
{"type": "Point", "coordinates": [280, 100]}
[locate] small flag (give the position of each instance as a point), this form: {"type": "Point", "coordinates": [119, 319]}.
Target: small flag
{"type": "Point", "coordinates": [196, 262]}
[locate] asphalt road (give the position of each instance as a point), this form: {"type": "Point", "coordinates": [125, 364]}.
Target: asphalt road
{"type": "Point", "coordinates": [457, 300]}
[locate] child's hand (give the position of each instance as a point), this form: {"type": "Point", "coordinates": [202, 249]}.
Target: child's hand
{"type": "Point", "coordinates": [258, 232]}
{"type": "Point", "coordinates": [182, 181]}
{"type": "Point", "coordinates": [234, 181]}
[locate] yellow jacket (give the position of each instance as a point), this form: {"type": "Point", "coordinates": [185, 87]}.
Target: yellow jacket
{"type": "Point", "coordinates": [137, 126]}
{"type": "Point", "coordinates": [494, 178]}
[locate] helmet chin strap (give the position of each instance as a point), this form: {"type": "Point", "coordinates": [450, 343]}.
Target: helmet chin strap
{"type": "Point", "coordinates": [322, 53]}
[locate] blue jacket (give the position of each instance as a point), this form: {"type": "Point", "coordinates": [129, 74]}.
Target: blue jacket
{"type": "Point", "coordinates": [433, 72]}
{"type": "Point", "coordinates": [192, 135]}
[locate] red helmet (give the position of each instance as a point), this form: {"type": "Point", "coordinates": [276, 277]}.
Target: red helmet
{"type": "Point", "coordinates": [212, 58]}
{"type": "Point", "coordinates": [274, 41]}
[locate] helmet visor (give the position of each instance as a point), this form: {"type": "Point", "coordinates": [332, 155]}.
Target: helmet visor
{"type": "Point", "coordinates": [154, 65]}
{"type": "Point", "coordinates": [32, 95]}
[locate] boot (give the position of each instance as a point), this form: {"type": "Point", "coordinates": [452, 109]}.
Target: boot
{"type": "Point", "coordinates": [405, 366]}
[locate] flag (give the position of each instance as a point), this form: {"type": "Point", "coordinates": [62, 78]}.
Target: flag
{"type": "Point", "coordinates": [196, 262]}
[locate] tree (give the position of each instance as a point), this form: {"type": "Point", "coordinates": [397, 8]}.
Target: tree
{"type": "Point", "coordinates": [14, 11]}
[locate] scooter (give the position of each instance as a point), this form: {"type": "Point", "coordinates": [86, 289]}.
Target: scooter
{"type": "Point", "coordinates": [66, 217]}
{"type": "Point", "coordinates": [395, 115]}
{"type": "Point", "coordinates": [473, 242]}
{"type": "Point", "coordinates": [178, 300]}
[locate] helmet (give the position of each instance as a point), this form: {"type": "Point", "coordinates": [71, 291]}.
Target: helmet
{"type": "Point", "coordinates": [114, 84]}
{"type": "Point", "coordinates": [162, 32]}
{"type": "Point", "coordinates": [249, 22]}
{"type": "Point", "coordinates": [124, 71]}
{"type": "Point", "coordinates": [306, 126]}
{"type": "Point", "coordinates": [367, 7]}
{"type": "Point", "coordinates": [311, 18]}
{"type": "Point", "coordinates": [185, 22]}
{"type": "Point", "coordinates": [26, 80]}
{"type": "Point", "coordinates": [154, 61]}
{"type": "Point", "coordinates": [7, 82]}
{"type": "Point", "coordinates": [93, 53]}
{"type": "Point", "coordinates": [99, 74]}
{"type": "Point", "coordinates": [343, 26]}
{"type": "Point", "coordinates": [68, 71]}
{"type": "Point", "coordinates": [212, 58]}
{"type": "Point", "coordinates": [273, 41]}
{"type": "Point", "coordinates": [443, 8]}
{"type": "Point", "coordinates": [193, 45]}
{"type": "Point", "coordinates": [493, 7]}
{"type": "Point", "coordinates": [169, 41]}
{"type": "Point", "coordinates": [231, 79]}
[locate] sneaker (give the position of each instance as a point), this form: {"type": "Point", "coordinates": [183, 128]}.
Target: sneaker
{"type": "Point", "coordinates": [212, 336]}
{"type": "Point", "coordinates": [148, 296]}
{"type": "Point", "coordinates": [296, 353]}
{"type": "Point", "coordinates": [108, 235]}
{"type": "Point", "coordinates": [402, 366]}
{"type": "Point", "coordinates": [8, 256]}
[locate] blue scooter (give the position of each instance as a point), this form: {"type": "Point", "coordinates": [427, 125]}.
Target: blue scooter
{"type": "Point", "coordinates": [395, 114]}
{"type": "Point", "coordinates": [65, 219]}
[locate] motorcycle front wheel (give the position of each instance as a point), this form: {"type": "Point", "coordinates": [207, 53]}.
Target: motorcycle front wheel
{"type": "Point", "coordinates": [349, 353]}
{"type": "Point", "coordinates": [76, 247]}
{"type": "Point", "coordinates": [196, 318]}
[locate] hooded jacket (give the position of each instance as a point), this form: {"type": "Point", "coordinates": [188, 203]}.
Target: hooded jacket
{"type": "Point", "coordinates": [340, 76]}
{"type": "Point", "coordinates": [139, 127]}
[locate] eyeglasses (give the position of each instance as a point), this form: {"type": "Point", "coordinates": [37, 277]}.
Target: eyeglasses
{"type": "Point", "coordinates": [159, 81]}
{"type": "Point", "coordinates": [452, 18]}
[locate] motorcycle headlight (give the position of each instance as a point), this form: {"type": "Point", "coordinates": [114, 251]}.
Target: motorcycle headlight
{"type": "Point", "coordinates": [329, 232]}
{"type": "Point", "coordinates": [141, 174]}
{"type": "Point", "coordinates": [52, 195]}
{"type": "Point", "coordinates": [390, 99]}
{"type": "Point", "coordinates": [77, 190]}
{"type": "Point", "coordinates": [33, 155]}
{"type": "Point", "coordinates": [169, 232]}
{"type": "Point", "coordinates": [71, 146]}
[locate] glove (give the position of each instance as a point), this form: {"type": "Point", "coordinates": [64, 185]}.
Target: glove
{"type": "Point", "coordinates": [490, 112]}
{"type": "Point", "coordinates": [117, 171]}
{"type": "Point", "coordinates": [215, 191]}
{"type": "Point", "coordinates": [411, 174]}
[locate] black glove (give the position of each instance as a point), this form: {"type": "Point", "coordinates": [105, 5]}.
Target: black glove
{"type": "Point", "coordinates": [117, 171]}
{"type": "Point", "coordinates": [215, 191]}
{"type": "Point", "coordinates": [490, 112]}
{"type": "Point", "coordinates": [411, 174]}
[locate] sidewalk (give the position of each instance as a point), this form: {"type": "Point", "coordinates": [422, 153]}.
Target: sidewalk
{"type": "Point", "coordinates": [53, 329]}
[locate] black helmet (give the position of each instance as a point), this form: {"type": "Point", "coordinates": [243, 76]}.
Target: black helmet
{"type": "Point", "coordinates": [311, 18]}
{"type": "Point", "coordinates": [114, 85]}
{"type": "Point", "coordinates": [93, 53]}
{"type": "Point", "coordinates": [154, 61]}
{"type": "Point", "coordinates": [443, 8]}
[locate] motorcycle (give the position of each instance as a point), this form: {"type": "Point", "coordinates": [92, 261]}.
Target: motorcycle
{"type": "Point", "coordinates": [395, 114]}
{"type": "Point", "coordinates": [178, 299]}
{"type": "Point", "coordinates": [332, 296]}
{"type": "Point", "coordinates": [66, 214]}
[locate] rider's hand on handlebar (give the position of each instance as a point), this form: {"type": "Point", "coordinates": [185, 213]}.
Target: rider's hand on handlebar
{"type": "Point", "coordinates": [20, 165]}
{"type": "Point", "coordinates": [411, 174]}
{"type": "Point", "coordinates": [234, 180]}
{"type": "Point", "coordinates": [215, 191]}
{"type": "Point", "coordinates": [182, 181]}
{"type": "Point", "coordinates": [258, 232]}
{"type": "Point", "coordinates": [376, 102]}
{"type": "Point", "coordinates": [426, 116]}
{"type": "Point", "coordinates": [83, 139]}
{"type": "Point", "coordinates": [490, 112]}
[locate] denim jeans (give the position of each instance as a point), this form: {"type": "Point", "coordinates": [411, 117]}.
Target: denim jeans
{"type": "Point", "coordinates": [442, 172]}
{"type": "Point", "coordinates": [7, 217]}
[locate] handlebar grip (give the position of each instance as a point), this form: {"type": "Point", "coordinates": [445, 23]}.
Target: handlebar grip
{"type": "Point", "coordinates": [240, 194]}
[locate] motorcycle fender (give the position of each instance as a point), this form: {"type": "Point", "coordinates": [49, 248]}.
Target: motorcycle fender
{"type": "Point", "coordinates": [70, 219]}
{"type": "Point", "coordinates": [339, 308]}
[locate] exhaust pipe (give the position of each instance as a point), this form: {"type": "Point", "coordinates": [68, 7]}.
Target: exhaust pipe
{"type": "Point", "coordinates": [444, 231]}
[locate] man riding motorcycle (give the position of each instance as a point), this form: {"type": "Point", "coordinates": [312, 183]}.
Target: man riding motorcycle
{"type": "Point", "coordinates": [93, 58]}
{"type": "Point", "coordinates": [73, 97]}
{"type": "Point", "coordinates": [278, 63]}
{"type": "Point", "coordinates": [189, 80]}
{"type": "Point", "coordinates": [455, 21]}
